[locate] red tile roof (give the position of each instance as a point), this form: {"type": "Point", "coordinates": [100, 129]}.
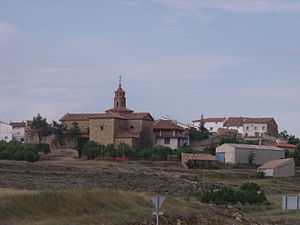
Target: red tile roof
{"type": "Point", "coordinates": [120, 110]}
{"type": "Point", "coordinates": [226, 131]}
{"type": "Point", "coordinates": [234, 122]}
{"type": "Point", "coordinates": [166, 125]}
{"type": "Point", "coordinates": [257, 120]}
{"type": "Point", "coordinates": [17, 124]}
{"type": "Point", "coordinates": [77, 116]}
{"type": "Point", "coordinates": [207, 120]}
{"type": "Point", "coordinates": [275, 163]}
{"type": "Point", "coordinates": [239, 121]}
{"type": "Point", "coordinates": [126, 134]}
{"type": "Point", "coordinates": [88, 116]}
{"type": "Point", "coordinates": [282, 145]}
{"type": "Point", "coordinates": [119, 90]}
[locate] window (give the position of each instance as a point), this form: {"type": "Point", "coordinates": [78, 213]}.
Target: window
{"type": "Point", "coordinates": [255, 128]}
{"type": "Point", "coordinates": [263, 128]}
{"type": "Point", "coordinates": [247, 128]}
{"type": "Point", "coordinates": [167, 141]}
{"type": "Point", "coordinates": [131, 127]}
{"type": "Point", "coordinates": [102, 128]}
{"type": "Point", "coordinates": [257, 134]}
{"type": "Point", "coordinates": [211, 128]}
{"type": "Point", "coordinates": [246, 135]}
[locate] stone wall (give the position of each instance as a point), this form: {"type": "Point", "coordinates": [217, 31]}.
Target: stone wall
{"type": "Point", "coordinates": [84, 127]}
{"type": "Point", "coordinates": [102, 130]}
{"type": "Point", "coordinates": [147, 136]}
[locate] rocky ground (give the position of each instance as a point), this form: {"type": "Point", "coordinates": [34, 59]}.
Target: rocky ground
{"type": "Point", "coordinates": [63, 170]}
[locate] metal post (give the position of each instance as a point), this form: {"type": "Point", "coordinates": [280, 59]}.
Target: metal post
{"type": "Point", "coordinates": [286, 204]}
{"type": "Point", "coordinates": [157, 210]}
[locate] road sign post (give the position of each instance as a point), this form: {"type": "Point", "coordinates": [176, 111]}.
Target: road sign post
{"type": "Point", "coordinates": [157, 202]}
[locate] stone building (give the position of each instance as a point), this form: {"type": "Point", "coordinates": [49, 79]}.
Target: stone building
{"type": "Point", "coordinates": [117, 125]}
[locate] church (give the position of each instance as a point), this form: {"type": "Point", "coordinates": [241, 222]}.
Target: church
{"type": "Point", "coordinates": [117, 125]}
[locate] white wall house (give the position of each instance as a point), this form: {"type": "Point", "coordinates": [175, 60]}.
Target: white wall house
{"type": "Point", "coordinates": [5, 132]}
{"type": "Point", "coordinates": [211, 124]}
{"type": "Point", "coordinates": [254, 129]}
{"type": "Point", "coordinates": [18, 131]}
{"type": "Point", "coordinates": [240, 153]}
{"type": "Point", "coordinates": [168, 133]}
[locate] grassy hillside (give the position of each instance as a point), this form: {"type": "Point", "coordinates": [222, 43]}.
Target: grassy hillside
{"type": "Point", "coordinates": [100, 207]}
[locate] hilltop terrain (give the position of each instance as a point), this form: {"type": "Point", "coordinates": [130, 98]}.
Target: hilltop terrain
{"type": "Point", "coordinates": [61, 173]}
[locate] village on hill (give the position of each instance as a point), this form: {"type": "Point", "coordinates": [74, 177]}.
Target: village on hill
{"type": "Point", "coordinates": [231, 140]}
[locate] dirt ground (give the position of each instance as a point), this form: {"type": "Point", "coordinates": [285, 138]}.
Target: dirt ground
{"type": "Point", "coordinates": [63, 170]}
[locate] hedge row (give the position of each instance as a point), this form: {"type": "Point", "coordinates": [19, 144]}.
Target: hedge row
{"type": "Point", "coordinates": [22, 152]}
{"type": "Point", "coordinates": [248, 193]}
{"type": "Point", "coordinates": [94, 150]}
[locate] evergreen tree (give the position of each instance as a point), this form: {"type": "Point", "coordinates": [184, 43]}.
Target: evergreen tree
{"type": "Point", "coordinates": [40, 127]}
{"type": "Point", "coordinates": [74, 134]}
{"type": "Point", "coordinates": [202, 128]}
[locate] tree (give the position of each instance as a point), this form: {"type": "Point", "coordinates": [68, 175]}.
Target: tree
{"type": "Point", "coordinates": [59, 132]}
{"type": "Point", "coordinates": [40, 127]}
{"type": "Point", "coordinates": [251, 159]}
{"type": "Point", "coordinates": [202, 128]}
{"type": "Point", "coordinates": [292, 139]}
{"type": "Point", "coordinates": [74, 134]}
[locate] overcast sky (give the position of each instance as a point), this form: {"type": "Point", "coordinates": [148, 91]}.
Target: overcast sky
{"type": "Point", "coordinates": [178, 58]}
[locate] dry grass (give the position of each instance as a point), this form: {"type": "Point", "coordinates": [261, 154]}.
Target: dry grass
{"type": "Point", "coordinates": [14, 192]}
{"type": "Point", "coordinates": [82, 207]}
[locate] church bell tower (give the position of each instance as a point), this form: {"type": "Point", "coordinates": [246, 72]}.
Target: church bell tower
{"type": "Point", "coordinates": [120, 99]}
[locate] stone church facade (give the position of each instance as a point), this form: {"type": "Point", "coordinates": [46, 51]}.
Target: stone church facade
{"type": "Point", "coordinates": [117, 125]}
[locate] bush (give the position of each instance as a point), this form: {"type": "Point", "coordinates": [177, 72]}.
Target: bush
{"type": "Point", "coordinates": [92, 149]}
{"type": "Point", "coordinates": [220, 196]}
{"type": "Point", "coordinates": [17, 151]}
{"type": "Point", "coordinates": [248, 193]}
{"type": "Point", "coordinates": [184, 149]}
{"type": "Point", "coordinates": [260, 174]}
{"type": "Point", "coordinates": [210, 149]}
{"type": "Point", "coordinates": [41, 147]}
{"type": "Point", "coordinates": [195, 134]}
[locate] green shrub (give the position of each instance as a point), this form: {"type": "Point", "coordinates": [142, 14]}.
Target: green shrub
{"type": "Point", "coordinates": [42, 147]}
{"type": "Point", "coordinates": [17, 151]}
{"type": "Point", "coordinates": [260, 174]}
{"type": "Point", "coordinates": [248, 193]}
{"type": "Point", "coordinates": [180, 150]}
{"type": "Point", "coordinates": [220, 196]}
{"type": "Point", "coordinates": [92, 149]}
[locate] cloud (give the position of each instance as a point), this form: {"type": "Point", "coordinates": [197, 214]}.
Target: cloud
{"type": "Point", "coordinates": [197, 9]}
{"type": "Point", "coordinates": [8, 31]}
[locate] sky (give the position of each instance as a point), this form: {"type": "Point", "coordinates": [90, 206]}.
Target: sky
{"type": "Point", "coordinates": [177, 58]}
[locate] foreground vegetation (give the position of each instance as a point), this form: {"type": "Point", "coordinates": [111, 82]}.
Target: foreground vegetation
{"type": "Point", "coordinates": [94, 150]}
{"type": "Point", "coordinates": [22, 152]}
{"type": "Point", "coordinates": [95, 207]}
{"type": "Point", "coordinates": [248, 193]}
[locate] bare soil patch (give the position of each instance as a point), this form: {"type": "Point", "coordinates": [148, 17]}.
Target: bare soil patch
{"type": "Point", "coordinates": [63, 170]}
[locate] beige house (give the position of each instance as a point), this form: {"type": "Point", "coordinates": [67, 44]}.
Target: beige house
{"type": "Point", "coordinates": [278, 168]}
{"type": "Point", "coordinates": [116, 125]}
{"type": "Point", "coordinates": [241, 153]}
